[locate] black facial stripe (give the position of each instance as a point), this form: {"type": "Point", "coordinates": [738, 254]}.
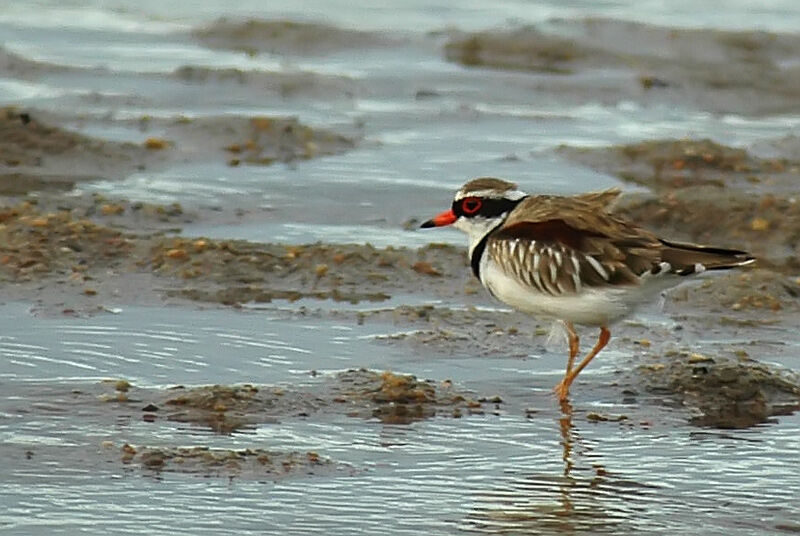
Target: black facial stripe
{"type": "Point", "coordinates": [491, 207]}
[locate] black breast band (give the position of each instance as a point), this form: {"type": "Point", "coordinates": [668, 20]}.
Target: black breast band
{"type": "Point", "coordinates": [477, 253]}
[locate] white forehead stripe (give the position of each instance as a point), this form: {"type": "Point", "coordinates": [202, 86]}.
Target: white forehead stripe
{"type": "Point", "coordinates": [513, 195]}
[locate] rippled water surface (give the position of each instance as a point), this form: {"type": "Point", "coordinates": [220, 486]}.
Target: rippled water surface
{"type": "Point", "coordinates": [524, 468]}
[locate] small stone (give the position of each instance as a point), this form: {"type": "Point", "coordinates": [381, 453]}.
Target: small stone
{"type": "Point", "coordinates": [153, 460]}
{"type": "Point", "coordinates": [425, 268]}
{"type": "Point", "coordinates": [176, 253]}
{"type": "Point", "coordinates": [112, 209]}
{"type": "Point", "coordinates": [321, 270]}
{"type": "Point", "coordinates": [156, 144]}
{"type": "Point", "coordinates": [699, 358]}
{"type": "Point", "coordinates": [759, 224]}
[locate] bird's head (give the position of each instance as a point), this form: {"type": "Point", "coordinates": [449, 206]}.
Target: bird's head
{"type": "Point", "coordinates": [479, 207]}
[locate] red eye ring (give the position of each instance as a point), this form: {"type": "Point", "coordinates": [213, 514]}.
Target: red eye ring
{"type": "Point", "coordinates": [471, 205]}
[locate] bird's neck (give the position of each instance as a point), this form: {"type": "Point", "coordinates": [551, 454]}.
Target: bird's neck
{"type": "Point", "coordinates": [478, 238]}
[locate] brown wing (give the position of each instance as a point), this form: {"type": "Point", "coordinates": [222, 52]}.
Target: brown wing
{"type": "Point", "coordinates": [604, 199]}
{"type": "Point", "coordinates": [560, 244]}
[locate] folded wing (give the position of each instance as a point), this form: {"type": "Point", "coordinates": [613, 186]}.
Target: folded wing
{"type": "Point", "coordinates": [560, 245]}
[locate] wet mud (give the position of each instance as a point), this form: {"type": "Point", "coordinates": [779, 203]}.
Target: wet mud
{"type": "Point", "coordinates": [255, 140]}
{"type": "Point", "coordinates": [384, 397]}
{"type": "Point", "coordinates": [723, 392]}
{"type": "Point", "coordinates": [36, 156]}
{"type": "Point", "coordinates": [72, 249]}
{"type": "Point", "coordinates": [241, 464]}
{"type": "Point", "coordinates": [55, 158]}
{"type": "Point", "coordinates": [295, 84]}
{"type": "Point", "coordinates": [754, 295]}
{"type": "Point", "coordinates": [389, 397]}
{"type": "Point", "coordinates": [722, 71]}
{"type": "Point", "coordinates": [450, 331]}
{"type": "Point", "coordinates": [286, 37]}
{"type": "Point", "coordinates": [670, 164]}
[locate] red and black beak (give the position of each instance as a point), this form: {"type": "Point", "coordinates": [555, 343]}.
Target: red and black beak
{"type": "Point", "coordinates": [448, 217]}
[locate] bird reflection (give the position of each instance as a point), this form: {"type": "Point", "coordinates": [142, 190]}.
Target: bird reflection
{"type": "Point", "coordinates": [567, 430]}
{"type": "Point", "coordinates": [567, 500]}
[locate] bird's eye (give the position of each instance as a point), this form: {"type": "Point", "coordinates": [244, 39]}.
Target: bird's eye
{"type": "Point", "coordinates": [471, 205]}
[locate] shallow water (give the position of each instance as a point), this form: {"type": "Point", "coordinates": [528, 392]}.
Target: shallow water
{"type": "Point", "coordinates": [525, 469]}
{"type": "Point", "coordinates": [507, 471]}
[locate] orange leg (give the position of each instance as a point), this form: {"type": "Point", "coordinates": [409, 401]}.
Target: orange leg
{"type": "Point", "coordinates": [562, 389]}
{"type": "Point", "coordinates": [573, 344]}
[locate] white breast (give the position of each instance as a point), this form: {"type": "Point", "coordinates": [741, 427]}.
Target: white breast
{"type": "Point", "coordinates": [599, 306]}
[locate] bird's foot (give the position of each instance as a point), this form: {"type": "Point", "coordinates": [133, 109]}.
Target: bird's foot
{"type": "Point", "coordinates": [562, 390]}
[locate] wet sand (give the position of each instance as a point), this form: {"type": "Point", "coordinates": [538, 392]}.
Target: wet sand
{"type": "Point", "coordinates": [720, 71]}
{"type": "Point", "coordinates": [74, 258]}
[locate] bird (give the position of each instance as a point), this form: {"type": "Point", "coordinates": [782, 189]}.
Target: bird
{"type": "Point", "coordinates": [569, 258]}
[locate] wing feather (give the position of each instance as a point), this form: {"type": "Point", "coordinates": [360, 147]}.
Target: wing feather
{"type": "Point", "coordinates": [563, 244]}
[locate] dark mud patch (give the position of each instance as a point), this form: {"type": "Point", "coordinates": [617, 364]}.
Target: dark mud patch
{"type": "Point", "coordinates": [250, 140]}
{"type": "Point", "coordinates": [29, 147]}
{"type": "Point", "coordinates": [287, 85]}
{"type": "Point", "coordinates": [723, 392]}
{"type": "Point", "coordinates": [522, 49]}
{"type": "Point", "coordinates": [679, 163]}
{"type": "Point", "coordinates": [251, 272]}
{"type": "Point", "coordinates": [455, 331]}
{"type": "Point", "coordinates": [402, 399]}
{"type": "Point", "coordinates": [761, 293]}
{"type": "Point", "coordinates": [37, 156]}
{"type": "Point", "coordinates": [387, 397]}
{"type": "Point", "coordinates": [26, 69]}
{"type": "Point", "coordinates": [745, 72]}
{"type": "Point", "coordinates": [34, 245]}
{"type": "Point", "coordinates": [65, 248]}
{"type": "Point", "coordinates": [767, 225]}
{"type": "Point", "coordinates": [282, 37]}
{"type": "Point", "coordinates": [259, 295]}
{"type": "Point", "coordinates": [19, 184]}
{"type": "Point", "coordinates": [247, 464]}
{"type": "Point", "coordinates": [227, 409]}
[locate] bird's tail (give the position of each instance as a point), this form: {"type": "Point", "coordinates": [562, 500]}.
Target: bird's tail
{"type": "Point", "coordinates": [687, 258]}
